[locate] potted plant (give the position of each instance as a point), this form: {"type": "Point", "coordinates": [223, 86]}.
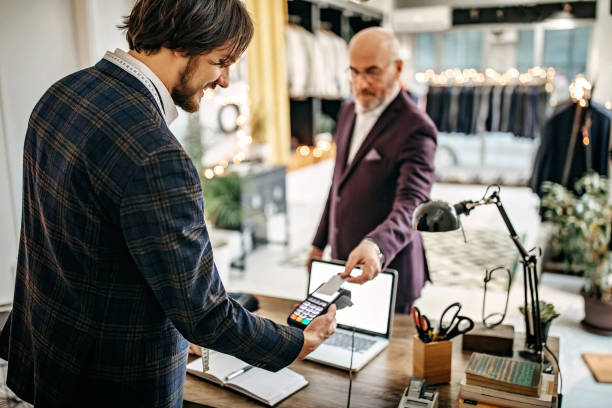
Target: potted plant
{"type": "Point", "coordinates": [581, 224]}
{"type": "Point", "coordinates": [547, 315]}
{"type": "Point", "coordinates": [222, 197]}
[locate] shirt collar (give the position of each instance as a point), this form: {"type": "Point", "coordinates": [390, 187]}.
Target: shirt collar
{"type": "Point", "coordinates": [169, 108]}
{"type": "Point", "coordinates": [377, 111]}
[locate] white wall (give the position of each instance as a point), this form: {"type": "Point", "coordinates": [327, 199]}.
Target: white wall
{"type": "Point", "coordinates": [38, 48]}
{"type": "Point", "coordinates": [9, 232]}
{"type": "Point", "coordinates": [41, 42]}
{"type": "Point", "coordinates": [600, 57]}
{"type": "Point", "coordinates": [107, 15]}
{"type": "Point", "coordinates": [386, 7]}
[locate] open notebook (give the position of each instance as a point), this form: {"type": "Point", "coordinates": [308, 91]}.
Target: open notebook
{"type": "Point", "coordinates": [262, 385]}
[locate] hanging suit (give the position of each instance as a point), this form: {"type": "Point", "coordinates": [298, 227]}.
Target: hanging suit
{"type": "Point", "coordinates": [551, 156]}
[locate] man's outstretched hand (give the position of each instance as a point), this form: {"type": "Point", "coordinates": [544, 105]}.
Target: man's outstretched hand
{"type": "Point", "coordinates": [318, 331]}
{"type": "Point", "coordinates": [366, 256]}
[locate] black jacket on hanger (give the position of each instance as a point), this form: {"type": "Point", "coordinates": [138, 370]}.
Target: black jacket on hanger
{"type": "Point", "coordinates": [550, 158]}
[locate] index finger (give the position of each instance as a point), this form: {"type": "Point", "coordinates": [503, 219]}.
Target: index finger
{"type": "Point", "coordinates": [350, 265]}
{"type": "Point", "coordinates": [366, 275]}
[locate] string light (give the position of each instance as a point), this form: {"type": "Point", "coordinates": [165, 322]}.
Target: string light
{"type": "Point", "coordinates": [324, 145]}
{"type": "Point", "coordinates": [580, 90]}
{"type": "Point", "coordinates": [608, 105]}
{"type": "Point", "coordinates": [535, 75]}
{"type": "Point", "coordinates": [244, 139]}
{"type": "Point", "coordinates": [241, 120]}
{"type": "Point", "coordinates": [303, 150]}
{"type": "Point", "coordinates": [219, 170]}
{"type": "Point", "coordinates": [209, 93]}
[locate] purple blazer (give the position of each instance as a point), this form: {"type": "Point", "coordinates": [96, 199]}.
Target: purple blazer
{"type": "Point", "coordinates": [391, 174]}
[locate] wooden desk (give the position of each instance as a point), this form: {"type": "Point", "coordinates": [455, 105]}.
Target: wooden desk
{"type": "Point", "coordinates": [378, 384]}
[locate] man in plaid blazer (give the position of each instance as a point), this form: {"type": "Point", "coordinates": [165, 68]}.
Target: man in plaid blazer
{"type": "Point", "coordinates": [115, 271]}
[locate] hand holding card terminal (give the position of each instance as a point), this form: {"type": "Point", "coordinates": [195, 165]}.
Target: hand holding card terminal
{"type": "Point", "coordinates": [317, 304]}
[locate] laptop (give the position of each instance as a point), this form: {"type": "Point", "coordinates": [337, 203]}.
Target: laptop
{"type": "Point", "coordinates": [371, 315]}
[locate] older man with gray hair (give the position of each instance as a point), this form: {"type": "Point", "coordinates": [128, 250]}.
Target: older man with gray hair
{"type": "Point", "coordinates": [384, 170]}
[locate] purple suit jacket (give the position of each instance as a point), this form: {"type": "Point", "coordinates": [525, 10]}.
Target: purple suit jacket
{"type": "Point", "coordinates": [375, 197]}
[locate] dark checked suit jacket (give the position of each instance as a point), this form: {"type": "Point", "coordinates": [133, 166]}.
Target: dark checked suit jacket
{"type": "Point", "coordinates": [115, 269]}
{"type": "Point", "coordinates": [375, 196]}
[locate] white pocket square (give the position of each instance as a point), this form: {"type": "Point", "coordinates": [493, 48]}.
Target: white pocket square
{"type": "Point", "coordinates": [373, 155]}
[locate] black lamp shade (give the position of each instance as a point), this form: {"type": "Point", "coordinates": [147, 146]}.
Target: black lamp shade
{"type": "Point", "coordinates": [435, 216]}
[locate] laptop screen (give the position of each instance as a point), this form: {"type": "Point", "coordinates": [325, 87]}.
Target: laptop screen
{"type": "Point", "coordinates": [372, 301]}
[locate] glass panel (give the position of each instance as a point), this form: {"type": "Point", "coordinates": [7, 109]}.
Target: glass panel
{"type": "Point", "coordinates": [425, 52]}
{"type": "Point", "coordinates": [462, 49]}
{"type": "Point", "coordinates": [580, 50]}
{"type": "Point", "coordinates": [566, 51]}
{"type": "Point", "coordinates": [556, 48]}
{"type": "Point", "coordinates": [524, 50]}
{"type": "Point", "coordinates": [473, 51]}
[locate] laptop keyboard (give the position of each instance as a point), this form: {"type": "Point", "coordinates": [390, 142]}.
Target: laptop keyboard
{"type": "Point", "coordinates": [343, 340]}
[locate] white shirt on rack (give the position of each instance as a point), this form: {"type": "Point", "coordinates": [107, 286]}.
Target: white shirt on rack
{"type": "Point", "coordinates": [366, 120]}
{"type": "Point", "coordinates": [151, 81]}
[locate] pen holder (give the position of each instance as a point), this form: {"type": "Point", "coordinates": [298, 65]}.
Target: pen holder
{"type": "Point", "coordinates": [432, 361]}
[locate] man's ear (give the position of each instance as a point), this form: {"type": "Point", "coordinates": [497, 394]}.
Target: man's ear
{"type": "Point", "coordinates": [179, 54]}
{"type": "Point", "coordinates": [180, 58]}
{"type": "Point", "coordinates": [399, 64]}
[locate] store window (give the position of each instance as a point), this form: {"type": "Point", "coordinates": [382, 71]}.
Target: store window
{"type": "Point", "coordinates": [566, 51]}
{"type": "Point", "coordinates": [425, 51]}
{"type": "Point", "coordinates": [524, 50]}
{"type": "Point", "coordinates": [462, 49]}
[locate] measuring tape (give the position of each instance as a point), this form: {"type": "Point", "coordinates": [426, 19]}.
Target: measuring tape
{"type": "Point", "coordinates": [110, 57]}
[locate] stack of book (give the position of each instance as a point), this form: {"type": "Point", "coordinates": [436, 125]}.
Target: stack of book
{"type": "Point", "coordinates": [492, 381]}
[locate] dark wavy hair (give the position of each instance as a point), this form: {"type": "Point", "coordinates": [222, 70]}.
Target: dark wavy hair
{"type": "Point", "coordinates": [194, 27]}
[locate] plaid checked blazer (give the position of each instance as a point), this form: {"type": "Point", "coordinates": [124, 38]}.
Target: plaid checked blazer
{"type": "Point", "coordinates": [115, 267]}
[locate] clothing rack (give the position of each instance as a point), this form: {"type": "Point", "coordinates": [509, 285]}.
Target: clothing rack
{"type": "Point", "coordinates": [469, 102]}
{"type": "Point", "coordinates": [343, 18]}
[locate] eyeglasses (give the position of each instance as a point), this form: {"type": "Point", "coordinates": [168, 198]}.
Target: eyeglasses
{"type": "Point", "coordinates": [497, 275]}
{"type": "Point", "coordinates": [371, 74]}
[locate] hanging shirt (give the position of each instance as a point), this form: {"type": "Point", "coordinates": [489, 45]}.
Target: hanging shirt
{"type": "Point", "coordinates": [366, 120]}
{"type": "Point", "coordinates": [148, 78]}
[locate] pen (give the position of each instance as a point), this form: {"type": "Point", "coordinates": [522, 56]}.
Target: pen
{"type": "Point", "coordinates": [238, 372]}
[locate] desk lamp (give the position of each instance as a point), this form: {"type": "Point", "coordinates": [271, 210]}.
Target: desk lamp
{"type": "Point", "coordinates": [439, 216]}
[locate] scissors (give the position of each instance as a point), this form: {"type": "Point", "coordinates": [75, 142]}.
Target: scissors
{"type": "Point", "coordinates": [448, 317]}
{"type": "Point", "coordinates": [461, 324]}
{"type": "Point", "coordinates": [421, 323]}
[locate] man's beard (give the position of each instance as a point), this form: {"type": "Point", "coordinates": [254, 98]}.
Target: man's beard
{"type": "Point", "coordinates": [374, 103]}
{"type": "Point", "coordinates": [182, 94]}
{"type": "Point", "coordinates": [376, 100]}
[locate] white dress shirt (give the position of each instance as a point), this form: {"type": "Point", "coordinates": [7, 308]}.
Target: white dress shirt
{"type": "Point", "coordinates": [150, 81]}
{"type": "Point", "coordinates": [366, 120]}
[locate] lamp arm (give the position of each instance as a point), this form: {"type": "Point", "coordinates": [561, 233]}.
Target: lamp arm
{"type": "Point", "coordinates": [513, 235]}
{"type": "Point", "coordinates": [465, 207]}
{"type": "Point", "coordinates": [530, 277]}
{"type": "Point", "coordinates": [530, 284]}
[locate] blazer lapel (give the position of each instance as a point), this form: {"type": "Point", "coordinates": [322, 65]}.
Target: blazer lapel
{"type": "Point", "coordinates": [344, 141]}
{"type": "Point", "coordinates": [385, 119]}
